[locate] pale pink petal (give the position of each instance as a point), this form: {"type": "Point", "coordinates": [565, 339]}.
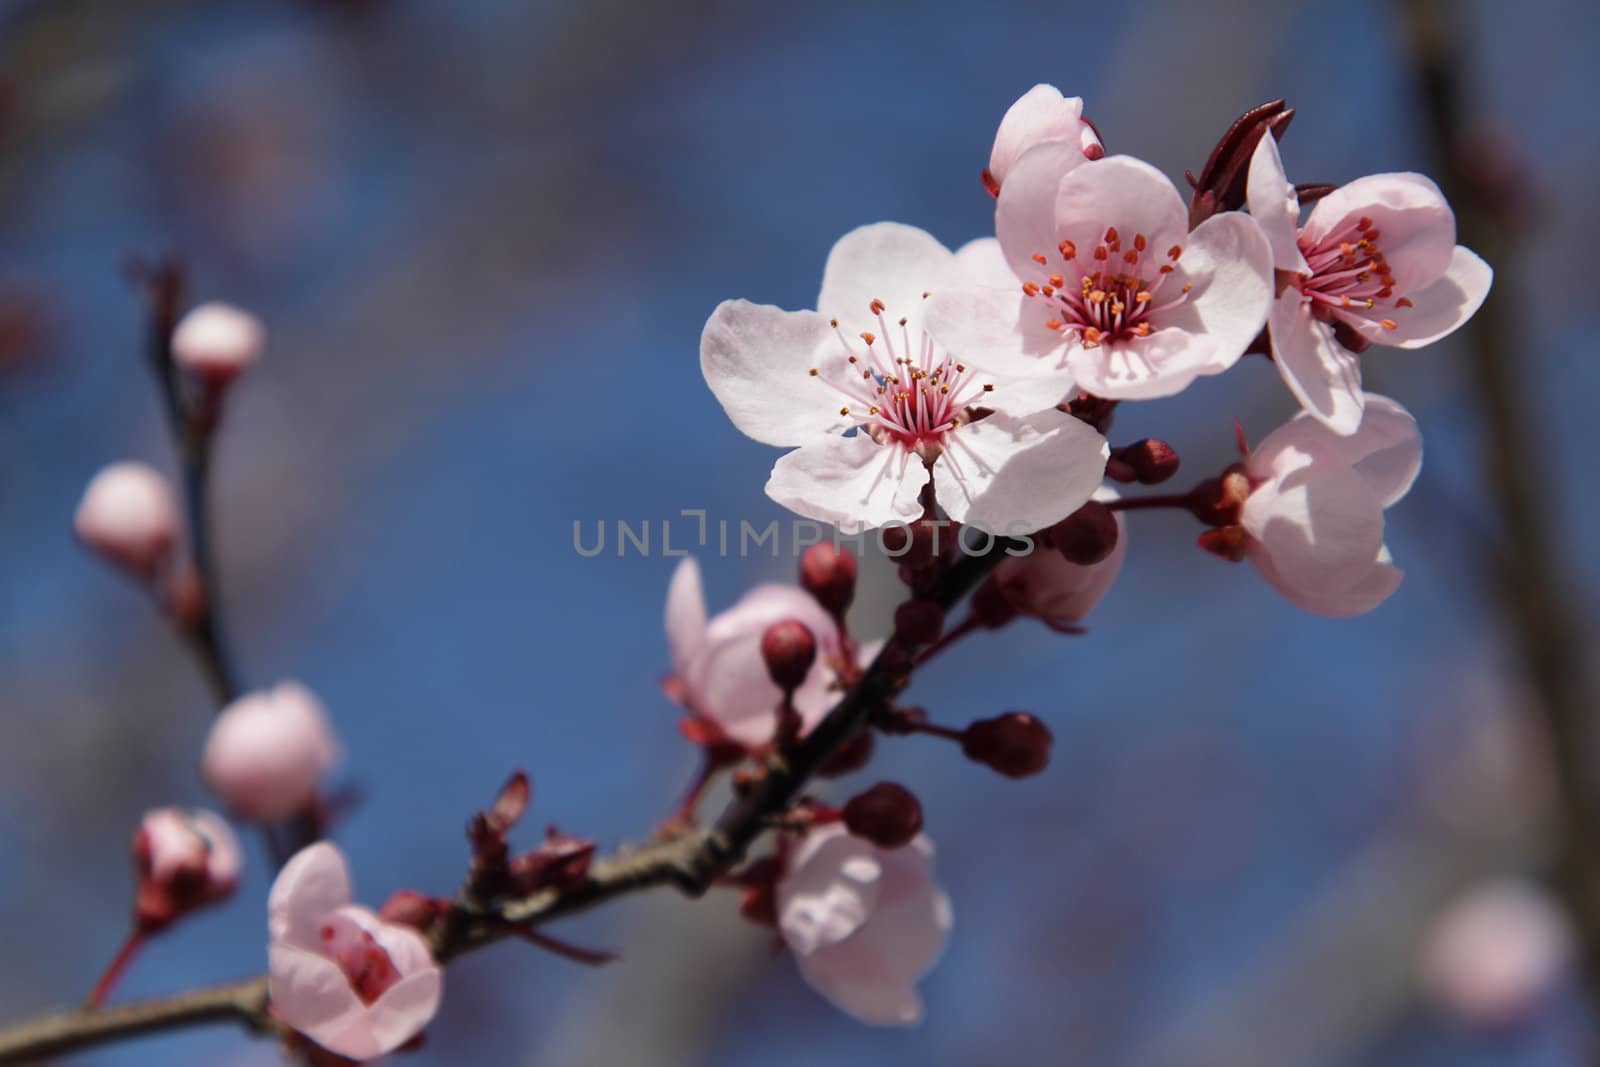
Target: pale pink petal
{"type": "Point", "coordinates": [999, 331]}
{"type": "Point", "coordinates": [1322, 374]}
{"type": "Point", "coordinates": [1273, 204]}
{"type": "Point", "coordinates": [851, 482]}
{"type": "Point", "coordinates": [129, 514]}
{"type": "Point", "coordinates": [1385, 450]}
{"type": "Point", "coordinates": [397, 1016]}
{"type": "Point", "coordinates": [686, 616]}
{"type": "Point", "coordinates": [311, 993]}
{"type": "Point", "coordinates": [1046, 585]}
{"type": "Point", "coordinates": [1040, 116]}
{"type": "Point", "coordinates": [225, 859]}
{"type": "Point", "coordinates": [1010, 476]}
{"type": "Point", "coordinates": [1228, 264]}
{"type": "Point", "coordinates": [1437, 310]}
{"type": "Point", "coordinates": [1318, 520]}
{"type": "Point", "coordinates": [1416, 228]}
{"type": "Point", "coordinates": [1365, 591]}
{"type": "Point", "coordinates": [1118, 191]}
{"type": "Point", "coordinates": [981, 262]}
{"type": "Point", "coordinates": [1025, 213]}
{"type": "Point", "coordinates": [889, 262]}
{"type": "Point", "coordinates": [1144, 368]}
{"type": "Point", "coordinates": [757, 360]}
{"type": "Point", "coordinates": [313, 884]}
{"type": "Point", "coordinates": [407, 950]}
{"type": "Point", "coordinates": [829, 890]}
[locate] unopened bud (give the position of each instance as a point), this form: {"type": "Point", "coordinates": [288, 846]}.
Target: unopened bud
{"type": "Point", "coordinates": [1227, 542]}
{"type": "Point", "coordinates": [1016, 744]}
{"type": "Point", "coordinates": [561, 862]}
{"type": "Point", "coordinates": [268, 751]}
{"type": "Point", "coordinates": [182, 860]}
{"type": "Point", "coordinates": [217, 342]}
{"type": "Point", "coordinates": [790, 650]}
{"type": "Point", "coordinates": [1085, 537]}
{"type": "Point", "coordinates": [888, 815]}
{"type": "Point", "coordinates": [1221, 185]}
{"type": "Point", "coordinates": [828, 573]}
{"type": "Point", "coordinates": [1152, 461]}
{"type": "Point", "coordinates": [129, 515]}
{"type": "Point", "coordinates": [1096, 411]}
{"type": "Point", "coordinates": [918, 622]}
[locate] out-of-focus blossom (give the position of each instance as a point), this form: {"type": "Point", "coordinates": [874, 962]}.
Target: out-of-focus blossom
{"type": "Point", "coordinates": [1496, 953]}
{"type": "Point", "coordinates": [1046, 585]}
{"type": "Point", "coordinates": [182, 860]}
{"type": "Point", "coordinates": [874, 408]}
{"type": "Point", "coordinates": [719, 674]}
{"type": "Point", "coordinates": [864, 923]}
{"type": "Point", "coordinates": [129, 515]}
{"type": "Point", "coordinates": [1375, 263]}
{"type": "Point", "coordinates": [218, 342]}
{"type": "Point", "coordinates": [351, 982]}
{"type": "Point", "coordinates": [1313, 520]}
{"type": "Point", "coordinates": [1118, 296]}
{"type": "Point", "coordinates": [268, 751]}
{"type": "Point", "coordinates": [1040, 116]}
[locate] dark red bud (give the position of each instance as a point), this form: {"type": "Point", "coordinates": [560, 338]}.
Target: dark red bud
{"type": "Point", "coordinates": [1221, 185]}
{"type": "Point", "coordinates": [789, 649]}
{"type": "Point", "coordinates": [1153, 461]}
{"type": "Point", "coordinates": [918, 622]}
{"type": "Point", "coordinates": [410, 908]}
{"type": "Point", "coordinates": [888, 815]}
{"type": "Point", "coordinates": [990, 606]}
{"type": "Point", "coordinates": [561, 862]}
{"type": "Point", "coordinates": [1226, 542]}
{"type": "Point", "coordinates": [512, 802]}
{"type": "Point", "coordinates": [900, 721]}
{"type": "Point", "coordinates": [1097, 411]}
{"type": "Point", "coordinates": [848, 757]}
{"type": "Point", "coordinates": [1016, 744]}
{"type": "Point", "coordinates": [1085, 537]}
{"type": "Point", "coordinates": [829, 574]}
{"type": "Point", "coordinates": [759, 905]}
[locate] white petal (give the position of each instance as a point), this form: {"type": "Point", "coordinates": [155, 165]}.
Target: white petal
{"type": "Point", "coordinates": [886, 261]}
{"type": "Point", "coordinates": [1417, 229]}
{"type": "Point", "coordinates": [983, 263]}
{"type": "Point", "coordinates": [1143, 368]}
{"type": "Point", "coordinates": [1118, 191]}
{"type": "Point", "coordinates": [310, 992]}
{"type": "Point", "coordinates": [686, 616]}
{"type": "Point", "coordinates": [1040, 116]}
{"type": "Point", "coordinates": [1025, 213]}
{"type": "Point", "coordinates": [1229, 264]}
{"type": "Point", "coordinates": [1319, 521]}
{"type": "Point", "coordinates": [1385, 450]}
{"type": "Point", "coordinates": [851, 482]}
{"type": "Point", "coordinates": [1365, 592]}
{"type": "Point", "coordinates": [1438, 310]}
{"type": "Point", "coordinates": [1002, 334]}
{"type": "Point", "coordinates": [312, 885]}
{"type": "Point", "coordinates": [1011, 476]}
{"type": "Point", "coordinates": [757, 360]}
{"type": "Point", "coordinates": [830, 888]}
{"type": "Point", "coordinates": [1323, 375]}
{"type": "Point", "coordinates": [1273, 203]}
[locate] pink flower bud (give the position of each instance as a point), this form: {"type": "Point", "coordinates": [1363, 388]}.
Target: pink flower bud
{"type": "Point", "coordinates": [268, 751]}
{"type": "Point", "coordinates": [182, 860]}
{"type": "Point", "coordinates": [218, 342]}
{"type": "Point", "coordinates": [888, 815]}
{"type": "Point", "coordinates": [1016, 744]}
{"type": "Point", "coordinates": [129, 515]}
{"type": "Point", "coordinates": [829, 574]}
{"type": "Point", "coordinates": [1497, 952]}
{"type": "Point", "coordinates": [789, 650]}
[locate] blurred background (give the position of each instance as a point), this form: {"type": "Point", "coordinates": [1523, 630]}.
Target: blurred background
{"type": "Point", "coordinates": [484, 237]}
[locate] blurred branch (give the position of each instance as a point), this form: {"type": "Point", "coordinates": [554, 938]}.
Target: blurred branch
{"type": "Point", "coordinates": [1529, 570]}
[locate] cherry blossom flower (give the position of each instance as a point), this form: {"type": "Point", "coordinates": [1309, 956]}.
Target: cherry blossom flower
{"type": "Point", "coordinates": [1040, 116]}
{"type": "Point", "coordinates": [218, 342]}
{"type": "Point", "coordinates": [1118, 296]}
{"type": "Point", "coordinates": [1313, 520]}
{"type": "Point", "coordinates": [268, 751]}
{"type": "Point", "coordinates": [129, 515]}
{"type": "Point", "coordinates": [349, 981]}
{"type": "Point", "coordinates": [718, 673]}
{"type": "Point", "coordinates": [1497, 952]}
{"type": "Point", "coordinates": [864, 923]}
{"type": "Point", "coordinates": [183, 860]}
{"type": "Point", "coordinates": [1046, 585]}
{"type": "Point", "coordinates": [1375, 263]}
{"type": "Point", "coordinates": [874, 408]}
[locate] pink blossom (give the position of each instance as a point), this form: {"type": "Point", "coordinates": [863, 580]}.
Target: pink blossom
{"type": "Point", "coordinates": [718, 673]}
{"type": "Point", "coordinates": [182, 860]}
{"type": "Point", "coordinates": [864, 923]}
{"type": "Point", "coordinates": [1117, 297]}
{"type": "Point", "coordinates": [1040, 116]}
{"type": "Point", "coordinates": [349, 981]}
{"type": "Point", "coordinates": [129, 515]}
{"type": "Point", "coordinates": [863, 363]}
{"type": "Point", "coordinates": [268, 751]}
{"type": "Point", "coordinates": [1314, 516]}
{"type": "Point", "coordinates": [1376, 261]}
{"type": "Point", "coordinates": [1046, 585]}
{"type": "Point", "coordinates": [218, 341]}
{"type": "Point", "coordinates": [1497, 952]}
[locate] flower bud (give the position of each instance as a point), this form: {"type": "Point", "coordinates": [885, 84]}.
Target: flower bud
{"type": "Point", "coordinates": [217, 342]}
{"type": "Point", "coordinates": [268, 751]}
{"type": "Point", "coordinates": [790, 650]}
{"type": "Point", "coordinates": [918, 622]}
{"type": "Point", "coordinates": [1085, 537]}
{"type": "Point", "coordinates": [1016, 744]}
{"type": "Point", "coordinates": [888, 815]}
{"type": "Point", "coordinates": [182, 860]}
{"type": "Point", "coordinates": [1151, 461]}
{"type": "Point", "coordinates": [560, 862]}
{"type": "Point", "coordinates": [129, 515]}
{"type": "Point", "coordinates": [1225, 542]}
{"type": "Point", "coordinates": [1221, 185]}
{"type": "Point", "coordinates": [829, 574]}
{"type": "Point", "coordinates": [990, 606]}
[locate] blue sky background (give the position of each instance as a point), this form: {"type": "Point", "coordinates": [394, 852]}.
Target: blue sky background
{"type": "Point", "coordinates": [484, 237]}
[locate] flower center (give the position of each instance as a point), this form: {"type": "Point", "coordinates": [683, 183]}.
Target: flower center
{"type": "Point", "coordinates": [910, 394]}
{"type": "Point", "coordinates": [1110, 294]}
{"type": "Point", "coordinates": [1349, 274]}
{"type": "Point", "coordinates": [366, 966]}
